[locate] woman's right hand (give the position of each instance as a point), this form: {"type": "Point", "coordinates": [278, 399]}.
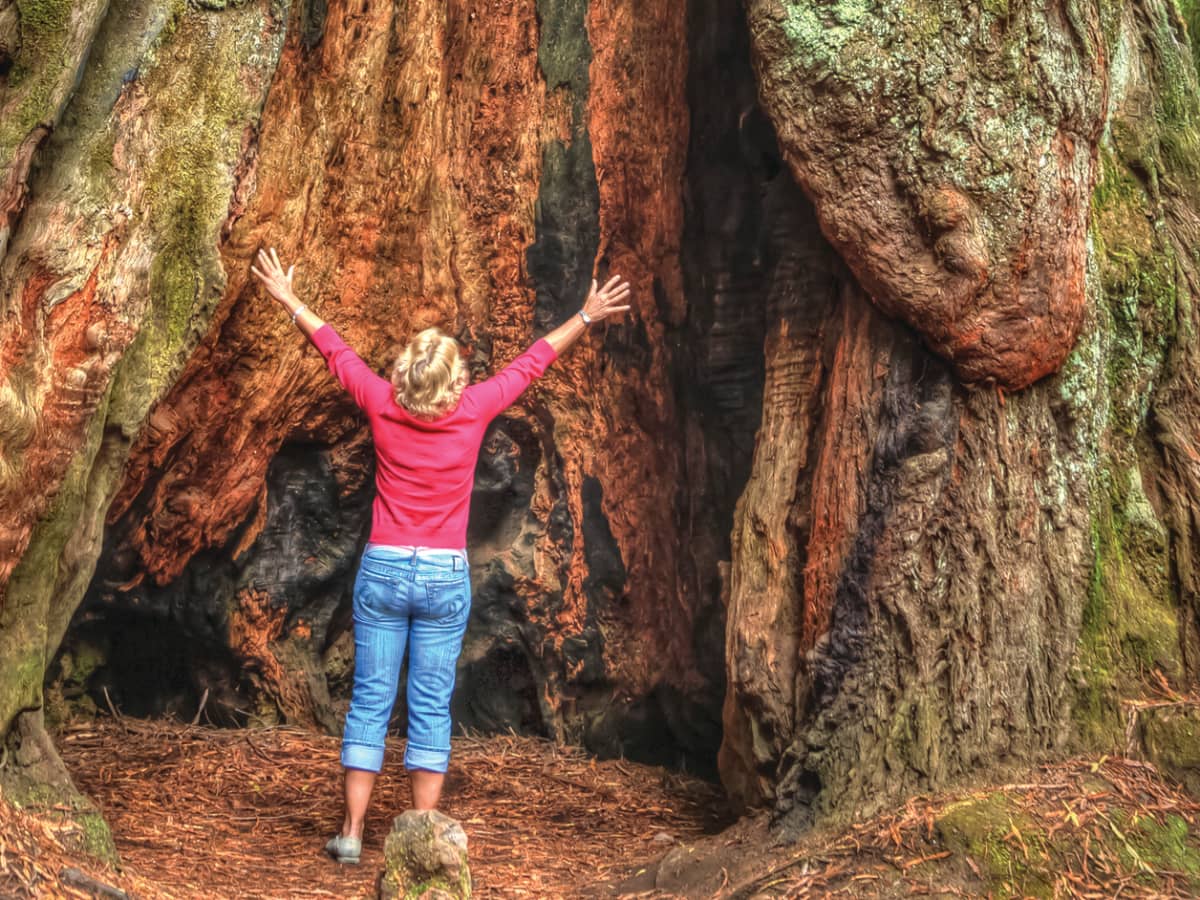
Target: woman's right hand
{"type": "Point", "coordinates": [277, 282]}
{"type": "Point", "coordinates": [606, 301]}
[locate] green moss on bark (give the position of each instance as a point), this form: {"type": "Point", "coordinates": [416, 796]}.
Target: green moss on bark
{"type": "Point", "coordinates": [40, 79]}
{"type": "Point", "coordinates": [1130, 627]}
{"type": "Point", "coordinates": [1139, 288]}
{"type": "Point", "coordinates": [22, 649]}
{"type": "Point", "coordinates": [24, 629]}
{"type": "Point", "coordinates": [36, 70]}
{"type": "Point", "coordinates": [1130, 621]}
{"type": "Point", "coordinates": [203, 105]}
{"type": "Point", "coordinates": [96, 838]}
{"type": "Point", "coordinates": [1189, 11]}
{"type": "Point", "coordinates": [202, 77]}
{"type": "Point", "coordinates": [43, 28]}
{"type": "Point", "coordinates": [1170, 737]}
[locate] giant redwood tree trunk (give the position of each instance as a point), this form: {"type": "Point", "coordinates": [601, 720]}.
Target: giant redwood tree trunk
{"type": "Point", "coordinates": [939, 574]}
{"type": "Point", "coordinates": [913, 292]}
{"type": "Point", "coordinates": [422, 163]}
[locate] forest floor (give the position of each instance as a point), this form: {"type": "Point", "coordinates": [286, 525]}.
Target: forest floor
{"type": "Point", "coordinates": [220, 813]}
{"type": "Point", "coordinates": [201, 812]}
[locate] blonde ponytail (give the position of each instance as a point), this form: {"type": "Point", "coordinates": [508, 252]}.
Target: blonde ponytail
{"type": "Point", "coordinates": [430, 375]}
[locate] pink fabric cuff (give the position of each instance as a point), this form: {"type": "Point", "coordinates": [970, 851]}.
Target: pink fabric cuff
{"type": "Point", "coordinates": [543, 354]}
{"type": "Point", "coordinates": [326, 339]}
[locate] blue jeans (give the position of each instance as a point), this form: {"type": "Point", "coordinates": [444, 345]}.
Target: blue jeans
{"type": "Point", "coordinates": [415, 596]}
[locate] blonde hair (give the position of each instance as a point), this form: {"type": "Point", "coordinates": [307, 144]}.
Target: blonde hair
{"type": "Point", "coordinates": [429, 375]}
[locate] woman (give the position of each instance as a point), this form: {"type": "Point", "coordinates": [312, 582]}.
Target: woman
{"type": "Point", "coordinates": [412, 586]}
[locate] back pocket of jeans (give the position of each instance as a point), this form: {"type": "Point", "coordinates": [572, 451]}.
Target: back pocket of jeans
{"type": "Point", "coordinates": [448, 598]}
{"type": "Point", "coordinates": [373, 594]}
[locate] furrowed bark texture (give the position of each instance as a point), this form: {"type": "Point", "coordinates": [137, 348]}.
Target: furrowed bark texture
{"type": "Point", "coordinates": [139, 114]}
{"type": "Point", "coordinates": [423, 164]}
{"type": "Point", "coordinates": [938, 577]}
{"type": "Point", "coordinates": [898, 444]}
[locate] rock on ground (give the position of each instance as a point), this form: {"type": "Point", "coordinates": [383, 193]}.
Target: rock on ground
{"type": "Point", "coordinates": [425, 858]}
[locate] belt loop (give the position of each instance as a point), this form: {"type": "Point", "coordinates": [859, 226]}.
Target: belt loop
{"type": "Point", "coordinates": [415, 551]}
{"type": "Point", "coordinates": [458, 563]}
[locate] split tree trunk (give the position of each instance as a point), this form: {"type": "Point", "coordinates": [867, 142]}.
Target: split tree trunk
{"type": "Point", "coordinates": [954, 299]}
{"type": "Point", "coordinates": [422, 164]}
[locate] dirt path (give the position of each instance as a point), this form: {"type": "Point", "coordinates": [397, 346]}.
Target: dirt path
{"type": "Point", "coordinates": [199, 812]}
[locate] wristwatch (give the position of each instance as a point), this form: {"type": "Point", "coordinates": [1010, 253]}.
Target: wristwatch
{"type": "Point", "coordinates": [587, 320]}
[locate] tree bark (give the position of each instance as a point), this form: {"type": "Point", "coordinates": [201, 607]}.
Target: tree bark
{"type": "Point", "coordinates": [423, 164]}
{"type": "Point", "coordinates": [972, 578]}
{"type": "Point", "coordinates": [896, 453]}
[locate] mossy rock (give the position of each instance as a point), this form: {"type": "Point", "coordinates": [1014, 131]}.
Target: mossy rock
{"type": "Point", "coordinates": [1146, 844]}
{"type": "Point", "coordinates": [1171, 740]}
{"type": "Point", "coordinates": [1010, 852]}
{"type": "Point", "coordinates": [86, 833]}
{"type": "Point", "coordinates": [425, 858]}
{"type": "Point", "coordinates": [1016, 859]}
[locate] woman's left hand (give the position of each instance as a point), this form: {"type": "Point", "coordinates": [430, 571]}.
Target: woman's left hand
{"type": "Point", "coordinates": [609, 300]}
{"type": "Point", "coordinates": [277, 282]}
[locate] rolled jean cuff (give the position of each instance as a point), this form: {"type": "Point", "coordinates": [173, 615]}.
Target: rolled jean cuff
{"type": "Point", "coordinates": [416, 757]}
{"type": "Point", "coordinates": [361, 756]}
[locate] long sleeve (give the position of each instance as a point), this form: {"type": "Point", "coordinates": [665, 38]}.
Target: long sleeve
{"type": "Point", "coordinates": [499, 392]}
{"type": "Point", "coordinates": [368, 389]}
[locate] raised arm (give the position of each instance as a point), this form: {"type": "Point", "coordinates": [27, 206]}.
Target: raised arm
{"type": "Point", "coordinates": [500, 391]}
{"type": "Point", "coordinates": [367, 388]}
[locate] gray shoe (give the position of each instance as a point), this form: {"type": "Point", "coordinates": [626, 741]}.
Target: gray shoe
{"type": "Point", "coordinates": [346, 850]}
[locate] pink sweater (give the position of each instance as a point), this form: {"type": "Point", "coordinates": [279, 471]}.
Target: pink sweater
{"type": "Point", "coordinates": [424, 470]}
